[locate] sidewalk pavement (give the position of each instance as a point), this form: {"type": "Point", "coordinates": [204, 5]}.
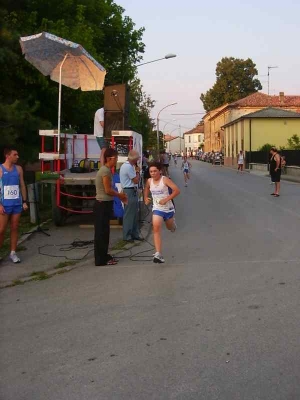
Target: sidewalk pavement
{"type": "Point", "coordinates": [66, 248]}
{"type": "Point", "coordinates": [284, 177]}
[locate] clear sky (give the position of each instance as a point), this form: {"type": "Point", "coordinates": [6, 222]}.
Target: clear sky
{"type": "Point", "coordinates": [201, 33]}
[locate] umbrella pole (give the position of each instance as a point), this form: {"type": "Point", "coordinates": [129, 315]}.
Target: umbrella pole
{"type": "Point", "coordinates": [59, 104]}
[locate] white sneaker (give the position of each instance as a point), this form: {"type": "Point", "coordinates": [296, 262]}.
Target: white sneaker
{"type": "Point", "coordinates": [158, 258]}
{"type": "Point", "coordinates": [174, 227]}
{"type": "Point", "coordinates": [185, 185]}
{"type": "Point", "coordinates": [14, 258]}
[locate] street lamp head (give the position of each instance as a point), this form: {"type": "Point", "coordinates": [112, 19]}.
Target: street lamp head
{"type": "Point", "coordinates": [170, 55]}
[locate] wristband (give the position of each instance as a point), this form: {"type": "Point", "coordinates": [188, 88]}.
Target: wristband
{"type": "Point", "coordinates": [24, 201]}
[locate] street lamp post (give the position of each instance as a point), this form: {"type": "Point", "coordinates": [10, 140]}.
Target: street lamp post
{"type": "Point", "coordinates": [179, 136]}
{"type": "Point", "coordinates": [166, 57]}
{"type": "Point", "coordinates": [157, 123]}
{"type": "Point", "coordinates": [164, 130]}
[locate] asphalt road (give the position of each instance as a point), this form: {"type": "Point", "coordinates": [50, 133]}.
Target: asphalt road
{"type": "Point", "coordinates": [220, 320]}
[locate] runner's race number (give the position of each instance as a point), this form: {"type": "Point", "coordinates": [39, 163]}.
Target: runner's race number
{"type": "Point", "coordinates": [11, 192]}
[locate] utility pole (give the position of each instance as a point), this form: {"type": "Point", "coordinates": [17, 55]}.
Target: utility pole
{"type": "Point", "coordinates": [157, 124]}
{"type": "Point", "coordinates": [270, 67]}
{"type": "Point", "coordinates": [180, 137]}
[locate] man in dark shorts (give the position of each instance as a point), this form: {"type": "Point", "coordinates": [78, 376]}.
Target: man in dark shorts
{"type": "Point", "coordinates": [275, 170]}
{"type": "Point", "coordinates": [13, 199]}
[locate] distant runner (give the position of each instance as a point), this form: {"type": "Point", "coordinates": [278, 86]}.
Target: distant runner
{"type": "Point", "coordinates": [186, 167]}
{"type": "Point", "coordinates": [175, 159]}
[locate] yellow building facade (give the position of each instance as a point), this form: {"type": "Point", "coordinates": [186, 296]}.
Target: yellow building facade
{"type": "Point", "coordinates": [252, 131]}
{"type": "Point", "coordinates": [214, 120]}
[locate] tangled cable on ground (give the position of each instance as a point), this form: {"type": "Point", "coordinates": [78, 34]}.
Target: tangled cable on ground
{"type": "Point", "coordinates": [85, 244]}
{"type": "Point", "coordinates": [76, 244]}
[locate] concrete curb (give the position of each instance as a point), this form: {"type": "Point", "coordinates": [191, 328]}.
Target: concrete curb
{"type": "Point", "coordinates": [263, 175]}
{"type": "Point", "coordinates": [283, 177]}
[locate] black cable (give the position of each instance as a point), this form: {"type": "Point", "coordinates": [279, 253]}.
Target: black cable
{"type": "Point", "coordinates": [84, 244]}
{"type": "Point", "coordinates": [77, 243]}
{"type": "Point", "coordinates": [137, 255]}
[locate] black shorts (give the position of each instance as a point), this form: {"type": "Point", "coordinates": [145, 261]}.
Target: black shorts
{"type": "Point", "coordinates": [275, 175]}
{"type": "Point", "coordinates": [166, 165]}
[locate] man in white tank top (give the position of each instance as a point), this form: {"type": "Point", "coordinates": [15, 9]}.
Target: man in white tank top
{"type": "Point", "coordinates": [163, 207]}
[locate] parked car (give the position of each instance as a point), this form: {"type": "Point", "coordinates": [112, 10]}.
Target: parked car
{"type": "Point", "coordinates": [217, 159]}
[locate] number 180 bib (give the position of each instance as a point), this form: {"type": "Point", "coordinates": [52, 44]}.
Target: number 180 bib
{"type": "Point", "coordinates": [11, 192]}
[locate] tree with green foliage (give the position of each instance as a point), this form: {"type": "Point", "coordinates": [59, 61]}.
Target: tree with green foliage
{"type": "Point", "coordinates": [294, 142]}
{"type": "Point", "coordinates": [140, 108]}
{"type": "Point", "coordinates": [235, 80]}
{"type": "Point", "coordinates": [29, 100]}
{"type": "Point", "coordinates": [266, 147]}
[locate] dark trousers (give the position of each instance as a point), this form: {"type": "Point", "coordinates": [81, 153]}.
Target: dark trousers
{"type": "Point", "coordinates": [102, 214]}
{"type": "Point", "coordinates": [130, 218]}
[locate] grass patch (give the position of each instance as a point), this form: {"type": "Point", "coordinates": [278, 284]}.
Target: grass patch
{"type": "Point", "coordinates": [39, 276]}
{"type": "Point", "coordinates": [36, 276]}
{"type": "Point", "coordinates": [61, 272]}
{"type": "Point", "coordinates": [15, 283]}
{"type": "Point", "coordinates": [21, 248]}
{"type": "Point", "coordinates": [34, 273]}
{"type": "Point", "coordinates": [64, 264]}
{"type": "Point", "coordinates": [119, 245]}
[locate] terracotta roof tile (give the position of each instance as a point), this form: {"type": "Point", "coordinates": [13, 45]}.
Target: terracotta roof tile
{"type": "Point", "coordinates": [263, 100]}
{"type": "Point", "coordinates": [268, 112]}
{"type": "Point", "coordinates": [169, 138]}
{"type": "Point", "coordinates": [198, 129]}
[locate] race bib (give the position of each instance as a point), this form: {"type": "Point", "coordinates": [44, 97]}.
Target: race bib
{"type": "Point", "coordinates": [156, 201]}
{"type": "Point", "coordinates": [11, 192]}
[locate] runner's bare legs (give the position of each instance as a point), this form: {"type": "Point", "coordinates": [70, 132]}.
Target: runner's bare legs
{"type": "Point", "coordinates": [157, 225]}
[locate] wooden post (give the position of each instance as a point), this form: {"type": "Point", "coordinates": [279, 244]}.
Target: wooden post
{"type": "Point", "coordinates": [32, 198]}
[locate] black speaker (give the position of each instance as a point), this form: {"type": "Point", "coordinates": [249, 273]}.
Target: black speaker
{"type": "Point", "coordinates": [113, 121]}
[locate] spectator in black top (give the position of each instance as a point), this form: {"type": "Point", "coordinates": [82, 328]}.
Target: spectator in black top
{"type": "Point", "coordinates": [275, 170]}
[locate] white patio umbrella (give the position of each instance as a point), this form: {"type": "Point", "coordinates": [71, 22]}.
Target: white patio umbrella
{"type": "Point", "coordinates": [65, 62]}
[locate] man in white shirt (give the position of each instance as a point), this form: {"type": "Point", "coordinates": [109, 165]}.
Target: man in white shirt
{"type": "Point", "coordinates": [129, 178]}
{"type": "Point", "coordinates": [98, 132]}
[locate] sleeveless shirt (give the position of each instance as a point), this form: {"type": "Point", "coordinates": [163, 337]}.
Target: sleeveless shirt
{"type": "Point", "coordinates": [273, 163]}
{"type": "Point", "coordinates": [186, 165]}
{"type": "Point", "coordinates": [160, 191]}
{"type": "Point", "coordinates": [10, 187]}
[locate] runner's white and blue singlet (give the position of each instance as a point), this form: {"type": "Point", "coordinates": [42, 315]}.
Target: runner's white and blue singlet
{"type": "Point", "coordinates": [186, 167]}
{"type": "Point", "coordinates": [10, 196]}
{"type": "Point", "coordinates": [160, 191]}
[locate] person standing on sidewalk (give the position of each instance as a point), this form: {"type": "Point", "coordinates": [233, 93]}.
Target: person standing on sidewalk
{"type": "Point", "coordinates": [99, 133]}
{"type": "Point", "coordinates": [240, 161]}
{"type": "Point", "coordinates": [103, 208]}
{"type": "Point", "coordinates": [129, 178]}
{"type": "Point", "coordinates": [163, 206]}
{"type": "Point", "coordinates": [13, 199]}
{"type": "Point", "coordinates": [275, 170]}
